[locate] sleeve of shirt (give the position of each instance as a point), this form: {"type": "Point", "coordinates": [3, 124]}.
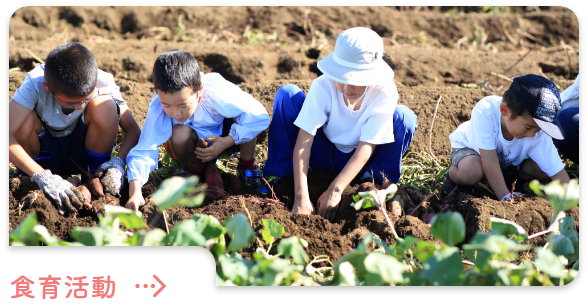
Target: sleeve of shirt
{"type": "Point", "coordinates": [482, 132]}
{"type": "Point", "coordinates": [316, 108]}
{"type": "Point", "coordinates": [108, 85]}
{"type": "Point", "coordinates": [545, 155]}
{"type": "Point", "coordinates": [232, 102]}
{"type": "Point", "coordinates": [27, 95]}
{"type": "Point", "coordinates": [157, 129]}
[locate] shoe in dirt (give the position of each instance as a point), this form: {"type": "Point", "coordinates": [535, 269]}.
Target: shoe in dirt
{"type": "Point", "coordinates": [250, 177]}
{"type": "Point", "coordinates": [453, 189]}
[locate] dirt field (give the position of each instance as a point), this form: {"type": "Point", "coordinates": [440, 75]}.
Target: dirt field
{"type": "Point", "coordinates": [440, 52]}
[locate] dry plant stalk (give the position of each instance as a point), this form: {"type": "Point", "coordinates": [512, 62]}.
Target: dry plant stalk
{"type": "Point", "coordinates": [383, 210]}
{"type": "Point", "coordinates": [518, 61]}
{"type": "Point", "coordinates": [34, 56]}
{"type": "Point", "coordinates": [431, 129]}
{"type": "Point", "coordinates": [501, 76]}
{"type": "Point", "coordinates": [165, 222]}
{"type": "Point", "coordinates": [242, 201]}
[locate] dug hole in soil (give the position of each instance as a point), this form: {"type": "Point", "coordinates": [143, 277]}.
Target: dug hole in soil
{"type": "Point", "coordinates": [423, 73]}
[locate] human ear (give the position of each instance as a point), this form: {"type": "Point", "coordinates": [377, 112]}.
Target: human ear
{"type": "Point", "coordinates": [45, 85]}
{"type": "Point", "coordinates": [504, 110]}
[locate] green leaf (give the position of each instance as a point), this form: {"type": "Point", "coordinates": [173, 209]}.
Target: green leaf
{"type": "Point", "coordinates": [549, 263]}
{"type": "Point", "coordinates": [383, 269]}
{"type": "Point", "coordinates": [567, 228]}
{"type": "Point", "coordinates": [494, 244]}
{"type": "Point", "coordinates": [129, 218]}
{"type": "Point", "coordinates": [507, 228]}
{"type": "Point", "coordinates": [563, 197]}
{"type": "Point", "coordinates": [293, 247]}
{"type": "Point", "coordinates": [173, 189]}
{"type": "Point", "coordinates": [424, 250]}
{"type": "Point", "coordinates": [233, 269]}
{"type": "Point", "coordinates": [271, 230]}
{"type": "Point", "coordinates": [561, 245]}
{"type": "Point", "coordinates": [217, 250]}
{"type": "Point", "coordinates": [345, 274]}
{"type": "Point", "coordinates": [208, 226]}
{"type": "Point", "coordinates": [537, 188]}
{"type": "Point", "coordinates": [239, 231]}
{"type": "Point", "coordinates": [89, 236]}
{"type": "Point", "coordinates": [24, 232]}
{"type": "Point", "coordinates": [448, 227]}
{"type": "Point", "coordinates": [354, 258]}
{"type": "Point", "coordinates": [45, 237]}
{"type": "Point", "coordinates": [151, 238]}
{"type": "Point", "coordinates": [219, 281]}
{"type": "Point", "coordinates": [444, 268]}
{"type": "Point", "coordinates": [184, 233]}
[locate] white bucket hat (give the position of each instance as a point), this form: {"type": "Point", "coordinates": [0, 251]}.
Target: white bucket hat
{"type": "Point", "coordinates": [357, 59]}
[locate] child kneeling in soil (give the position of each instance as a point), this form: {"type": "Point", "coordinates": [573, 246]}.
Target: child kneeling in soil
{"type": "Point", "coordinates": [348, 123]}
{"type": "Point", "coordinates": [66, 114]}
{"type": "Point", "coordinates": [509, 138]}
{"type": "Point", "coordinates": [196, 117]}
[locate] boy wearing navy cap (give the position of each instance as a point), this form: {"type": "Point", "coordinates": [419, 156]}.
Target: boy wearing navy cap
{"type": "Point", "coordinates": [509, 137]}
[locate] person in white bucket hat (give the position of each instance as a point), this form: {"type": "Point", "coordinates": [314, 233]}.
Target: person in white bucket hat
{"type": "Point", "coordinates": [348, 123]}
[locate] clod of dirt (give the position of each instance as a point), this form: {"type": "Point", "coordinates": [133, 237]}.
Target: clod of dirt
{"type": "Point", "coordinates": [532, 213]}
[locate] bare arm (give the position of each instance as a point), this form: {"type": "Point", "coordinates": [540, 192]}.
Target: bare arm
{"type": "Point", "coordinates": [358, 160]}
{"type": "Point", "coordinates": [331, 198]}
{"type": "Point", "coordinates": [562, 176]}
{"type": "Point", "coordinates": [493, 172]}
{"type": "Point", "coordinates": [301, 157]}
{"type": "Point", "coordinates": [16, 154]}
{"type": "Point", "coordinates": [131, 130]}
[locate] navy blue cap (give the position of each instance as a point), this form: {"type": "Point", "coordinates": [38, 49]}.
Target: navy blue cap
{"type": "Point", "coordinates": [542, 100]}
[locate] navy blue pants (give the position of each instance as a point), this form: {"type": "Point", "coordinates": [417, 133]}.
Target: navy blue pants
{"type": "Point", "coordinates": [570, 121]}
{"type": "Point", "coordinates": [386, 158]}
{"type": "Point", "coordinates": [57, 153]}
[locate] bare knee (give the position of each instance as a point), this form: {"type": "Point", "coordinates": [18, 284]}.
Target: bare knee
{"type": "Point", "coordinates": [28, 134]}
{"type": "Point", "coordinates": [102, 112]}
{"type": "Point", "coordinates": [181, 134]}
{"type": "Point", "coordinates": [469, 171]}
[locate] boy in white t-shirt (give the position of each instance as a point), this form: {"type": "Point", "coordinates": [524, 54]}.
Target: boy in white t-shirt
{"type": "Point", "coordinates": [196, 116]}
{"type": "Point", "coordinates": [64, 110]}
{"type": "Point", "coordinates": [509, 137]}
{"type": "Point", "coordinates": [349, 123]}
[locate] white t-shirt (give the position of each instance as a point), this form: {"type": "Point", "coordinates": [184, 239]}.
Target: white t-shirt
{"type": "Point", "coordinates": [571, 96]}
{"type": "Point", "coordinates": [484, 131]}
{"type": "Point", "coordinates": [371, 123]}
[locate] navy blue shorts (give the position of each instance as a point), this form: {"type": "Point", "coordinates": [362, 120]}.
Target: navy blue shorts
{"type": "Point", "coordinates": [65, 149]}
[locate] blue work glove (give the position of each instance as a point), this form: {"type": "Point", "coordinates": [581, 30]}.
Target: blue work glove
{"type": "Point", "coordinates": [507, 196]}
{"type": "Point", "coordinates": [62, 193]}
{"type": "Point", "coordinates": [113, 179]}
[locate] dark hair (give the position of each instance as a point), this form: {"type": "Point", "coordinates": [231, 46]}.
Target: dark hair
{"type": "Point", "coordinates": [516, 108]}
{"type": "Point", "coordinates": [71, 70]}
{"type": "Point", "coordinates": [175, 70]}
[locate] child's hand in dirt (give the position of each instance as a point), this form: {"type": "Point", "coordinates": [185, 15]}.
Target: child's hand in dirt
{"type": "Point", "coordinates": [135, 201]}
{"type": "Point", "coordinates": [113, 179]}
{"type": "Point", "coordinates": [328, 203]}
{"type": "Point", "coordinates": [302, 206]}
{"type": "Point", "coordinates": [216, 145]}
{"type": "Point", "coordinates": [507, 197]}
{"type": "Point", "coordinates": [61, 192]}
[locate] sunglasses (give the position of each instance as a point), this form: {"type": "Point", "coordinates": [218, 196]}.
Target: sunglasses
{"type": "Point", "coordinates": [96, 94]}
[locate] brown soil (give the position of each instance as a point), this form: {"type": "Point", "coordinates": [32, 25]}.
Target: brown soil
{"type": "Point", "coordinates": [431, 53]}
